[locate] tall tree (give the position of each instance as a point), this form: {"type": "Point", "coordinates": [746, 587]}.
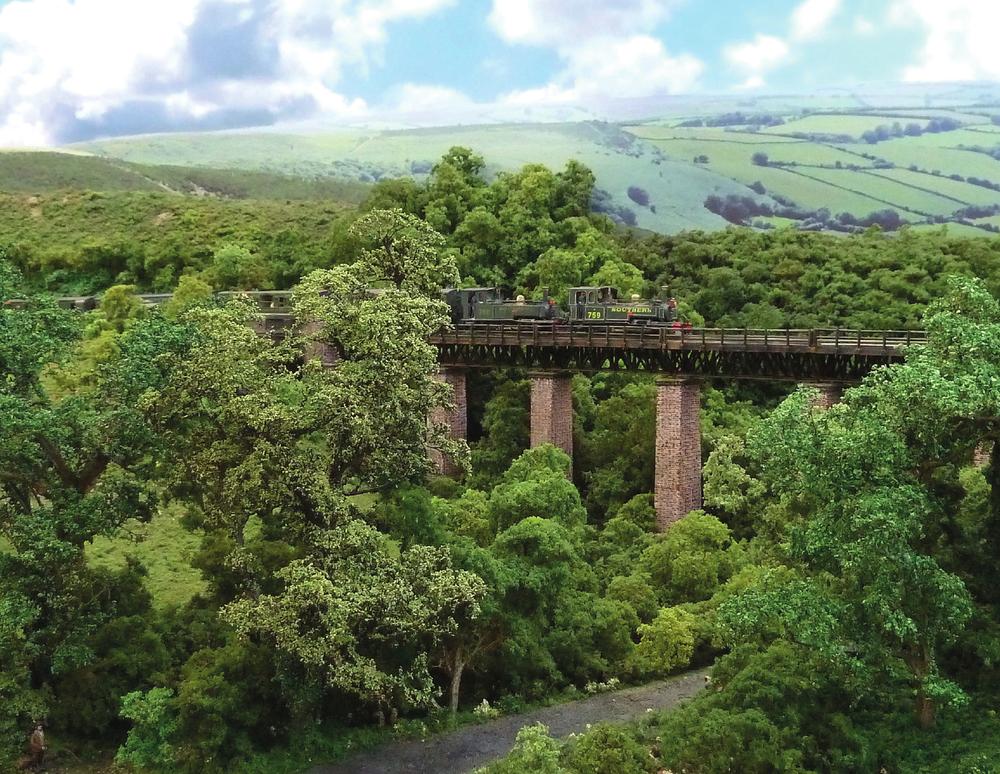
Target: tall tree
{"type": "Point", "coordinates": [72, 469]}
{"type": "Point", "coordinates": [274, 453]}
{"type": "Point", "coordinates": [871, 478]}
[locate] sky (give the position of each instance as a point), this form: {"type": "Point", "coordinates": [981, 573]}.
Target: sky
{"type": "Point", "coordinates": [72, 70]}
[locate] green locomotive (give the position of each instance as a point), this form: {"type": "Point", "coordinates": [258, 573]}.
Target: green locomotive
{"type": "Point", "coordinates": [595, 304]}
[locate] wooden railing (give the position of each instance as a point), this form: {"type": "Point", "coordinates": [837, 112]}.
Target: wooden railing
{"type": "Point", "coordinates": [556, 334]}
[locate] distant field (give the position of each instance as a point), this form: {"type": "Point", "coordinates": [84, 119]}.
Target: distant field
{"type": "Point", "coordinates": [807, 171]}
{"type": "Point", "coordinates": [854, 125]}
{"type": "Point", "coordinates": [891, 193]}
{"type": "Point", "coordinates": [904, 153]}
{"type": "Point", "coordinates": [953, 229]}
{"type": "Point", "coordinates": [813, 153]}
{"type": "Point", "coordinates": [928, 113]}
{"type": "Point", "coordinates": [796, 184]}
{"type": "Point", "coordinates": [708, 133]}
{"type": "Point", "coordinates": [963, 192]}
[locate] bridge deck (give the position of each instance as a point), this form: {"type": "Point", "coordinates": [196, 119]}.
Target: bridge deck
{"type": "Point", "coordinates": [787, 354]}
{"type": "Point", "coordinates": [548, 334]}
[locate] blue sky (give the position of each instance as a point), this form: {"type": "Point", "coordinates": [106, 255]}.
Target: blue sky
{"type": "Point", "coordinates": [76, 69]}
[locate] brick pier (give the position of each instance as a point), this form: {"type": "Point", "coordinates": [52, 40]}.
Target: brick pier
{"type": "Point", "coordinates": [829, 393]}
{"type": "Point", "coordinates": [317, 349]}
{"type": "Point", "coordinates": [677, 486]}
{"type": "Point", "coordinates": [552, 410]}
{"type": "Point", "coordinates": [455, 418]}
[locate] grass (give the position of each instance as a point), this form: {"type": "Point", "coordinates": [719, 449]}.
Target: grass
{"type": "Point", "coordinates": [708, 134]}
{"type": "Point", "coordinates": [958, 190]}
{"type": "Point", "coordinates": [813, 153]}
{"type": "Point", "coordinates": [958, 115]}
{"type": "Point", "coordinates": [892, 193]}
{"type": "Point", "coordinates": [797, 184]}
{"type": "Point", "coordinates": [164, 547]}
{"type": "Point", "coordinates": [814, 181]}
{"type": "Point", "coordinates": [37, 172]}
{"type": "Point", "coordinates": [954, 229]}
{"type": "Point", "coordinates": [904, 153]}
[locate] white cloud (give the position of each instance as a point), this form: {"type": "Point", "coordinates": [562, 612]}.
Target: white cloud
{"type": "Point", "coordinates": [753, 82]}
{"type": "Point", "coordinates": [811, 18]}
{"type": "Point", "coordinates": [757, 56]}
{"type": "Point", "coordinates": [863, 26]}
{"type": "Point", "coordinates": [560, 23]}
{"type": "Point", "coordinates": [754, 58]}
{"type": "Point", "coordinates": [960, 42]}
{"type": "Point", "coordinates": [606, 49]}
{"type": "Point", "coordinates": [70, 69]}
{"type": "Point", "coordinates": [636, 66]}
{"type": "Point", "coordinates": [422, 98]}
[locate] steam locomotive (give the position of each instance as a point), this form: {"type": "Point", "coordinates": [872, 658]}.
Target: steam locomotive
{"type": "Point", "coordinates": [587, 304]}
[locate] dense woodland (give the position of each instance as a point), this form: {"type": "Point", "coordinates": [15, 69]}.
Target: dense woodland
{"type": "Point", "coordinates": [842, 575]}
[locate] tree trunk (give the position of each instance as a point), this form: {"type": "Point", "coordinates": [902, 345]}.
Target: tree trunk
{"type": "Point", "coordinates": [926, 711]}
{"type": "Point", "coordinates": [457, 666]}
{"type": "Point", "coordinates": [919, 661]}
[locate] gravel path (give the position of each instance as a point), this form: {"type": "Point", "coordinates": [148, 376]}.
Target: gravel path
{"type": "Point", "coordinates": [468, 748]}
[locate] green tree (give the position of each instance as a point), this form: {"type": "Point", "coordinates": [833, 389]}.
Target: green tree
{"type": "Point", "coordinates": [363, 621]}
{"type": "Point", "coordinates": [667, 643]}
{"type": "Point", "coordinates": [72, 470]}
{"type": "Point", "coordinates": [153, 725]}
{"type": "Point", "coordinates": [234, 267]}
{"type": "Point", "coordinates": [272, 454]}
{"type": "Point", "coordinates": [190, 291]}
{"type": "Point", "coordinates": [693, 558]}
{"type": "Point", "coordinates": [872, 592]}
{"type": "Point", "coordinates": [534, 751]}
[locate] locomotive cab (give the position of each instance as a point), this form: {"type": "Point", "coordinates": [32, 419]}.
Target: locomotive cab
{"type": "Point", "coordinates": [602, 304]}
{"type": "Point", "coordinates": [464, 302]}
{"type": "Point", "coordinates": [589, 302]}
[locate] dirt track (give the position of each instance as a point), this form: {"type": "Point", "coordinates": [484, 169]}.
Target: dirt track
{"type": "Point", "coordinates": [468, 748]}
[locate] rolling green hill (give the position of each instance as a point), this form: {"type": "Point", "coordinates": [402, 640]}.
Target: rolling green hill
{"type": "Point", "coordinates": [40, 172]}
{"type": "Point", "coordinates": [822, 162]}
{"type": "Point", "coordinates": [620, 160]}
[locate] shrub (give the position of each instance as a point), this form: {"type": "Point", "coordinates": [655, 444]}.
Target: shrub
{"type": "Point", "coordinates": [667, 643]}
{"type": "Point", "coordinates": [154, 723]}
{"type": "Point", "coordinates": [606, 749]}
{"type": "Point", "coordinates": [534, 751]}
{"type": "Point", "coordinates": [638, 195]}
